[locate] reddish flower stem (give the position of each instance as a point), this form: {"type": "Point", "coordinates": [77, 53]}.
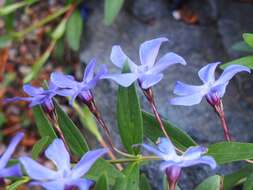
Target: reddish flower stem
{"type": "Point", "coordinates": [220, 112]}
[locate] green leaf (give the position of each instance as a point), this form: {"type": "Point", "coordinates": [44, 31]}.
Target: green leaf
{"type": "Point", "coordinates": [5, 41]}
{"type": "Point", "coordinates": [248, 185]}
{"type": "Point", "coordinates": [144, 183]}
{"type": "Point", "coordinates": [102, 183]}
{"type": "Point", "coordinates": [2, 119]}
{"type": "Point", "coordinates": [5, 10]}
{"type": "Point", "coordinates": [17, 183]}
{"type": "Point", "coordinates": [246, 61]}
{"type": "Point", "coordinates": [107, 168]}
{"type": "Point", "coordinates": [44, 126]}
{"type": "Point", "coordinates": [129, 117]}
{"type": "Point", "coordinates": [226, 152]}
{"type": "Point", "coordinates": [131, 178]}
{"type": "Point", "coordinates": [248, 38]}
{"type": "Point", "coordinates": [40, 146]}
{"type": "Point", "coordinates": [74, 30]}
{"type": "Point", "coordinates": [237, 177]}
{"type": "Point", "coordinates": [211, 183]}
{"type": "Point", "coordinates": [242, 46]}
{"type": "Point", "coordinates": [112, 8]}
{"type": "Point", "coordinates": [153, 132]}
{"type": "Point", "coordinates": [72, 134]}
{"type": "Point", "coordinates": [59, 30]}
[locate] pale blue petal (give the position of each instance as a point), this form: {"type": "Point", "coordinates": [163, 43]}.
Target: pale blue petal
{"type": "Point", "coordinates": [119, 58]}
{"type": "Point", "coordinates": [207, 73]}
{"type": "Point", "coordinates": [12, 171]}
{"type": "Point", "coordinates": [219, 90]}
{"type": "Point", "coordinates": [50, 185]}
{"type": "Point", "coordinates": [194, 153]}
{"type": "Point", "coordinates": [154, 150]}
{"type": "Point", "coordinates": [82, 184]}
{"type": "Point", "coordinates": [86, 162]}
{"type": "Point", "coordinates": [207, 160]}
{"type": "Point", "coordinates": [58, 153]}
{"type": "Point", "coordinates": [166, 61]}
{"type": "Point", "coordinates": [63, 81]}
{"type": "Point", "coordinates": [187, 100]}
{"type": "Point", "coordinates": [89, 71]}
{"type": "Point", "coordinates": [166, 147]}
{"type": "Point", "coordinates": [35, 170]}
{"type": "Point", "coordinates": [149, 50]}
{"type": "Point", "coordinates": [31, 90]}
{"type": "Point", "coordinates": [16, 99]}
{"type": "Point", "coordinates": [10, 150]}
{"type": "Point", "coordinates": [150, 80]}
{"type": "Point", "coordinates": [124, 79]}
{"type": "Point", "coordinates": [231, 71]}
{"type": "Point", "coordinates": [183, 89]}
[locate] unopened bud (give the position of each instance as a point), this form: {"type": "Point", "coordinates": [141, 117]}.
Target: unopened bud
{"type": "Point", "coordinates": [173, 173]}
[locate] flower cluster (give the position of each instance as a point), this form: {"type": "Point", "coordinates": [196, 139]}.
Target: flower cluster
{"type": "Point", "coordinates": [147, 74]}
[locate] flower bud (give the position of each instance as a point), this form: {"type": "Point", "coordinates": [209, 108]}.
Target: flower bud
{"type": "Point", "coordinates": [173, 173]}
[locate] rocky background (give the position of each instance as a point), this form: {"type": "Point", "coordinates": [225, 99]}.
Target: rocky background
{"type": "Point", "coordinates": [221, 23]}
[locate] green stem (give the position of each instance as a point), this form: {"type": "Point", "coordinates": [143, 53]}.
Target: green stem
{"type": "Point", "coordinates": [137, 159]}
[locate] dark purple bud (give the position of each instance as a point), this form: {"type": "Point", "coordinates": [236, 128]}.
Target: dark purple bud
{"type": "Point", "coordinates": [71, 187]}
{"type": "Point", "coordinates": [173, 173]}
{"type": "Point", "coordinates": [213, 99]}
{"type": "Point", "coordinates": [49, 109]}
{"type": "Point", "coordinates": [86, 96]}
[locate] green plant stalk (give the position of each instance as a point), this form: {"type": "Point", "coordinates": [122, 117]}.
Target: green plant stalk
{"type": "Point", "coordinates": [137, 159]}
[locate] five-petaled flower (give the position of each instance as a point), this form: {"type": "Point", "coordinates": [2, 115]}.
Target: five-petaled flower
{"type": "Point", "coordinates": [15, 170]}
{"type": "Point", "coordinates": [37, 96]}
{"type": "Point", "coordinates": [72, 88]}
{"type": "Point", "coordinates": [174, 163]}
{"type": "Point", "coordinates": [65, 176]}
{"type": "Point", "coordinates": [212, 89]}
{"type": "Point", "coordinates": [149, 72]}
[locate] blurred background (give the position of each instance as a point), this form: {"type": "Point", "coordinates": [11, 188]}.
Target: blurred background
{"type": "Point", "coordinates": [38, 37]}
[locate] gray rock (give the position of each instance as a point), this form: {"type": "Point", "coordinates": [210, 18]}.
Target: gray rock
{"type": "Point", "coordinates": [199, 45]}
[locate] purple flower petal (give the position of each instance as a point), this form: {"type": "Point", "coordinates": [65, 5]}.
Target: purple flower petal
{"type": "Point", "coordinates": [124, 79]}
{"type": "Point", "coordinates": [149, 51]}
{"type": "Point", "coordinates": [82, 184]}
{"type": "Point", "coordinates": [167, 164]}
{"type": "Point", "coordinates": [187, 100]}
{"type": "Point", "coordinates": [154, 150]}
{"type": "Point", "coordinates": [89, 71]}
{"type": "Point", "coordinates": [194, 152]}
{"type": "Point", "coordinates": [207, 73]}
{"type": "Point", "coordinates": [13, 171]}
{"type": "Point", "coordinates": [16, 99]}
{"type": "Point", "coordinates": [58, 154]}
{"type": "Point", "coordinates": [11, 148]}
{"type": "Point", "coordinates": [63, 81]}
{"type": "Point", "coordinates": [167, 60]}
{"type": "Point", "coordinates": [183, 89]}
{"type": "Point", "coordinates": [150, 80]}
{"type": "Point", "coordinates": [83, 166]}
{"type": "Point", "coordinates": [31, 90]}
{"type": "Point", "coordinates": [229, 72]}
{"type": "Point", "coordinates": [208, 160]}
{"type": "Point", "coordinates": [219, 90]}
{"type": "Point", "coordinates": [119, 58]}
{"type": "Point", "coordinates": [35, 170]}
{"type": "Point", "coordinates": [50, 185]}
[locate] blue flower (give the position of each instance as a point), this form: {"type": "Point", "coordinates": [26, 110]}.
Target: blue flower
{"type": "Point", "coordinates": [193, 155]}
{"type": "Point", "coordinates": [149, 72]}
{"type": "Point", "coordinates": [212, 89]}
{"type": "Point", "coordinates": [70, 87]}
{"type": "Point", "coordinates": [65, 176]}
{"type": "Point", "coordinates": [12, 171]}
{"type": "Point", "coordinates": [37, 96]}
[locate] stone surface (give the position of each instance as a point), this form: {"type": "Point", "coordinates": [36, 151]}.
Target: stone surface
{"type": "Point", "coordinates": [199, 45]}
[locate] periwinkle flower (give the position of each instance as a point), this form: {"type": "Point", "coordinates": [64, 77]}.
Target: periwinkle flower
{"type": "Point", "coordinates": [15, 170]}
{"type": "Point", "coordinates": [149, 73]}
{"type": "Point", "coordinates": [37, 96]}
{"type": "Point", "coordinates": [212, 89]}
{"type": "Point", "coordinates": [65, 176]}
{"type": "Point", "coordinates": [73, 88]}
{"type": "Point", "coordinates": [172, 163]}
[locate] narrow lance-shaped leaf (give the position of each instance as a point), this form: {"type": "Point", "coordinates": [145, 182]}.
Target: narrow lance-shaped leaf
{"type": "Point", "coordinates": [246, 61]}
{"type": "Point", "coordinates": [72, 134]}
{"type": "Point", "coordinates": [129, 117]}
{"type": "Point", "coordinates": [248, 185]}
{"type": "Point", "coordinates": [152, 131]}
{"type": "Point", "coordinates": [102, 183]}
{"type": "Point", "coordinates": [144, 183]}
{"type": "Point", "coordinates": [43, 125]}
{"type": "Point", "coordinates": [111, 9]}
{"type": "Point", "coordinates": [39, 147]}
{"type": "Point", "coordinates": [211, 183]}
{"type": "Point", "coordinates": [248, 38]}
{"type": "Point", "coordinates": [17, 183]}
{"type": "Point", "coordinates": [226, 152]}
